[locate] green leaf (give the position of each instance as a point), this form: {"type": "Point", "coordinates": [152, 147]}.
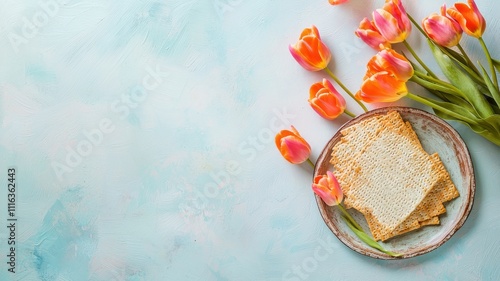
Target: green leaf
{"type": "Point", "coordinates": [417, 78]}
{"type": "Point", "coordinates": [496, 64]}
{"type": "Point", "coordinates": [493, 90]}
{"type": "Point", "coordinates": [455, 55]}
{"type": "Point", "coordinates": [462, 81]}
{"type": "Point", "coordinates": [462, 111]}
{"type": "Point", "coordinates": [439, 94]}
{"type": "Point", "coordinates": [369, 240]}
{"type": "Point", "coordinates": [457, 101]}
{"type": "Point", "coordinates": [489, 127]}
{"type": "Point", "coordinates": [484, 127]}
{"type": "Point", "coordinates": [493, 122]}
{"type": "Point", "coordinates": [460, 60]}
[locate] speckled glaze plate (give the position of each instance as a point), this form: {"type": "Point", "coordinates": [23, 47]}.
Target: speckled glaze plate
{"type": "Point", "coordinates": [436, 136]}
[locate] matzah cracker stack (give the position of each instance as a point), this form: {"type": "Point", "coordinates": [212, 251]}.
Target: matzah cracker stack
{"type": "Point", "coordinates": [392, 178]}
{"type": "Point", "coordinates": [386, 175]}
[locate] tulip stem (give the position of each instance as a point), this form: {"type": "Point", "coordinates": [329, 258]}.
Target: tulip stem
{"type": "Point", "coordinates": [490, 61]}
{"type": "Point", "coordinates": [469, 62]}
{"type": "Point", "coordinates": [438, 81]}
{"type": "Point", "coordinates": [310, 162]}
{"type": "Point", "coordinates": [417, 25]}
{"type": "Point", "coordinates": [349, 217]}
{"type": "Point", "coordinates": [349, 113]}
{"type": "Point", "coordinates": [345, 88]}
{"type": "Point", "coordinates": [418, 59]}
{"type": "Point", "coordinates": [440, 108]}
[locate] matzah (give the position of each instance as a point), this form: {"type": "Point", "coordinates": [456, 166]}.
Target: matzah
{"type": "Point", "coordinates": [365, 159]}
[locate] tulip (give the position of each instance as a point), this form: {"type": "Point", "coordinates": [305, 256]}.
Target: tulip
{"type": "Point", "coordinates": [326, 100]}
{"type": "Point", "coordinates": [469, 18]}
{"type": "Point", "coordinates": [382, 87]}
{"type": "Point", "coordinates": [336, 2]}
{"type": "Point", "coordinates": [292, 146]}
{"type": "Point", "coordinates": [392, 21]}
{"type": "Point", "coordinates": [371, 36]}
{"type": "Point", "coordinates": [310, 52]}
{"type": "Point", "coordinates": [443, 30]}
{"type": "Point", "coordinates": [390, 61]}
{"type": "Point", "coordinates": [328, 188]}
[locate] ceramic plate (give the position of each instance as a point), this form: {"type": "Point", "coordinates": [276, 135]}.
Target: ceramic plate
{"type": "Point", "coordinates": [436, 136]}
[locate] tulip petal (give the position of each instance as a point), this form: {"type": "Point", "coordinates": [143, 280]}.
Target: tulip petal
{"type": "Point", "coordinates": [315, 88]}
{"type": "Point", "coordinates": [294, 150]}
{"type": "Point", "coordinates": [382, 87]}
{"type": "Point", "coordinates": [398, 65]}
{"type": "Point", "coordinates": [480, 18]}
{"type": "Point", "coordinates": [337, 2]}
{"type": "Point", "coordinates": [300, 59]}
{"type": "Point", "coordinates": [335, 187]}
{"type": "Point", "coordinates": [370, 35]}
{"type": "Point", "coordinates": [471, 19]}
{"type": "Point", "coordinates": [325, 196]}
{"type": "Point", "coordinates": [400, 14]}
{"type": "Point", "coordinates": [312, 31]}
{"type": "Point", "coordinates": [373, 39]}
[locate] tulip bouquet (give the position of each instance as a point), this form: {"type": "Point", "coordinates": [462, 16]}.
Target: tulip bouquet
{"type": "Point", "coordinates": [470, 94]}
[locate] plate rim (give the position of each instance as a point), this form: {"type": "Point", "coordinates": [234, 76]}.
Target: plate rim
{"type": "Point", "coordinates": [367, 251]}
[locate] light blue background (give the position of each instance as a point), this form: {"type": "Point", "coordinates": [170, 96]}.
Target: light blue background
{"type": "Point", "coordinates": [174, 106]}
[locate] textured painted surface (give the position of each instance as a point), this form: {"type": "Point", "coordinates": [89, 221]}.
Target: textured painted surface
{"type": "Point", "coordinates": [142, 136]}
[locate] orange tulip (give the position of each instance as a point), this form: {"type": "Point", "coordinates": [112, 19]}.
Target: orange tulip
{"type": "Point", "coordinates": [336, 2]}
{"type": "Point", "coordinates": [390, 61]}
{"type": "Point", "coordinates": [328, 188]}
{"type": "Point", "coordinates": [310, 52]}
{"type": "Point", "coordinates": [371, 36]}
{"type": "Point", "coordinates": [292, 146]}
{"type": "Point", "coordinates": [443, 30]}
{"type": "Point", "coordinates": [469, 18]}
{"type": "Point", "coordinates": [392, 21]}
{"type": "Point", "coordinates": [326, 100]}
{"type": "Point", "coordinates": [382, 87]}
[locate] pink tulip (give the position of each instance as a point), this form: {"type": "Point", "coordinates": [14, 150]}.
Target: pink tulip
{"type": "Point", "coordinates": [328, 188]}
{"type": "Point", "coordinates": [292, 146]}
{"type": "Point", "coordinates": [442, 29]}
{"type": "Point", "coordinates": [392, 21]}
